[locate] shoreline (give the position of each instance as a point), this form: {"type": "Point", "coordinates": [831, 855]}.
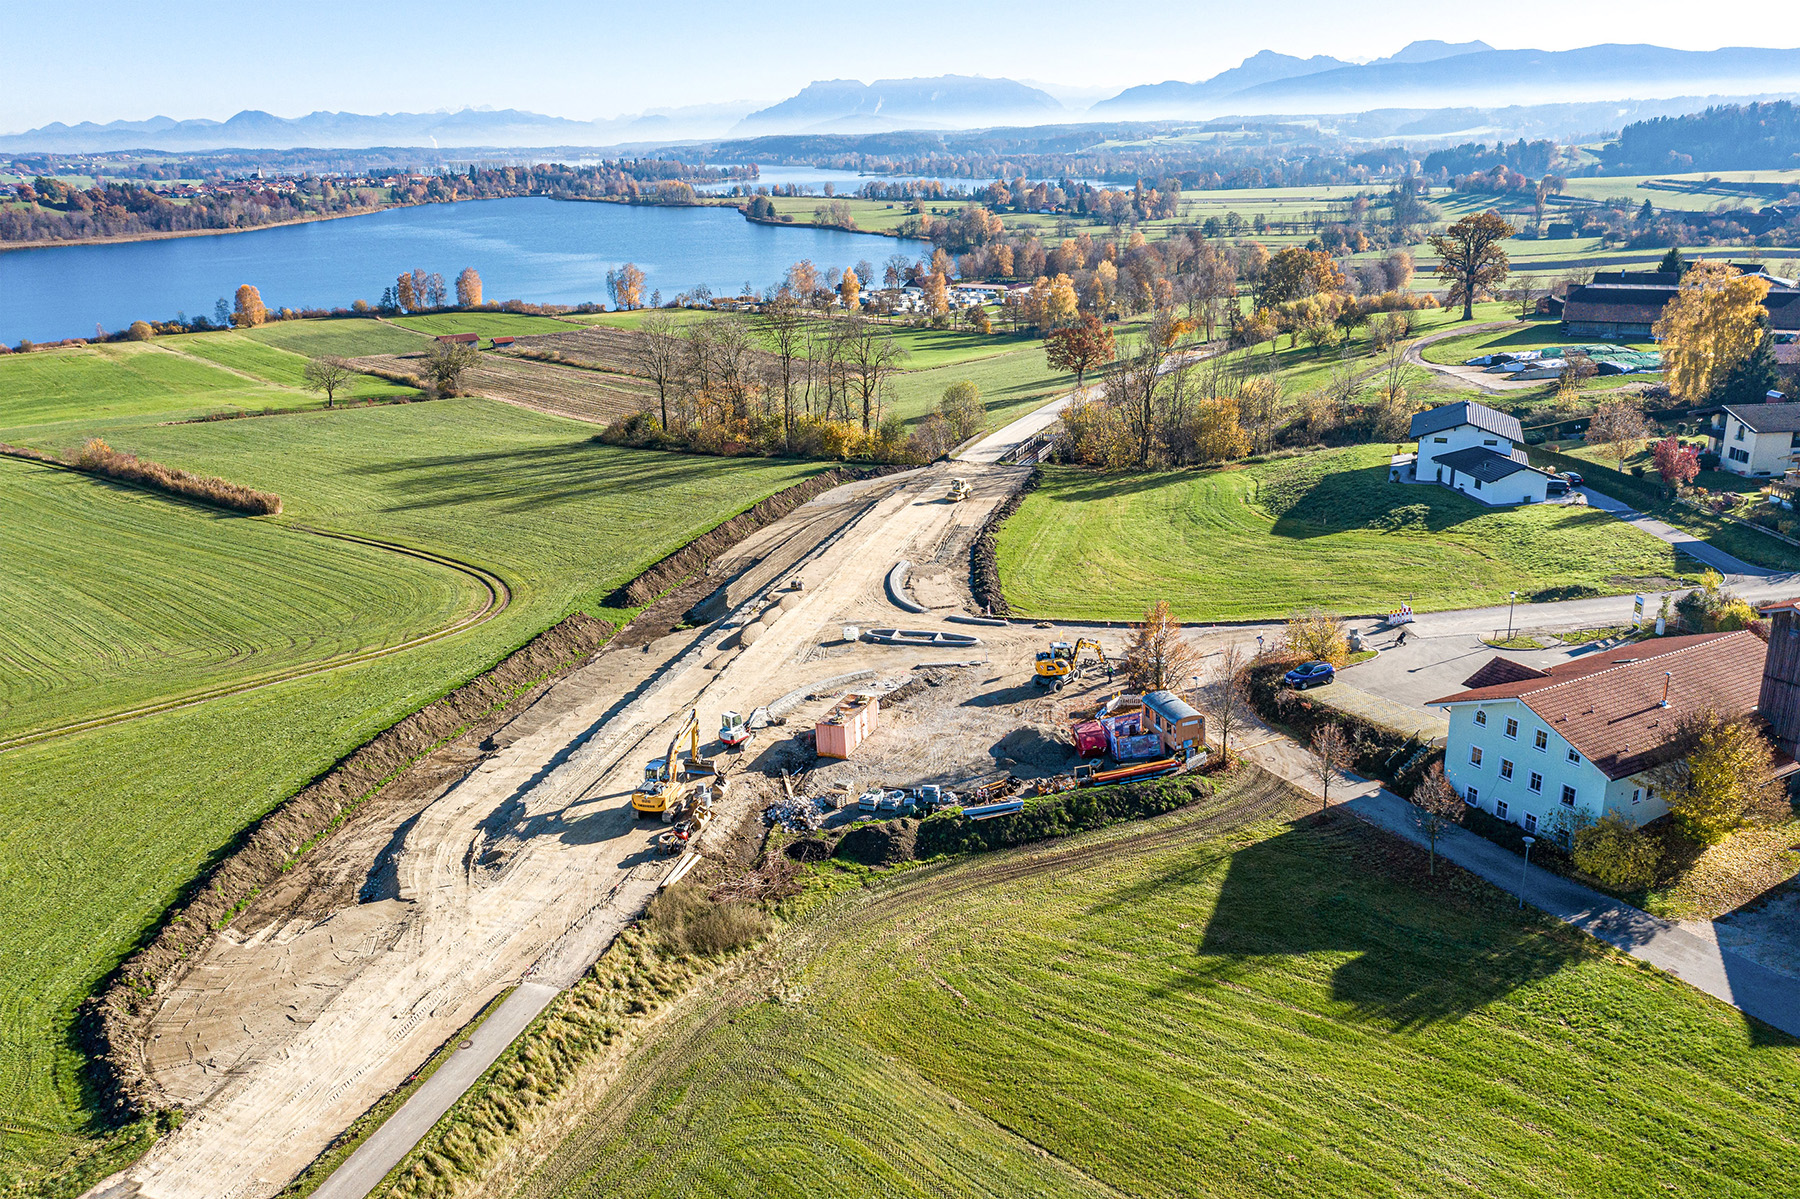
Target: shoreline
{"type": "Point", "coordinates": [126, 238]}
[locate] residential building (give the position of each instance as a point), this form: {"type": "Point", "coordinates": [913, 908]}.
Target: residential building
{"type": "Point", "coordinates": [1552, 749]}
{"type": "Point", "coordinates": [1759, 440]}
{"type": "Point", "coordinates": [1623, 305]}
{"type": "Point", "coordinates": [1471, 448]}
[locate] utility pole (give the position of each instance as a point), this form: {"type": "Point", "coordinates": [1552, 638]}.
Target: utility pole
{"type": "Point", "coordinates": [1511, 599]}
{"type": "Point", "coordinates": [1525, 870]}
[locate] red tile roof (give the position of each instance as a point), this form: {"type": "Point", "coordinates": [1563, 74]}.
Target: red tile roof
{"type": "Point", "coordinates": [1608, 704]}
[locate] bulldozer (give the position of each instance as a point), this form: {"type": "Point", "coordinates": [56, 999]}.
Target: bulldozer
{"type": "Point", "coordinates": [665, 778]}
{"type": "Point", "coordinates": [1058, 664]}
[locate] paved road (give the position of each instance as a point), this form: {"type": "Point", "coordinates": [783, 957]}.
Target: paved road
{"type": "Point", "coordinates": [997, 444]}
{"type": "Point", "coordinates": [365, 1168]}
{"type": "Point", "coordinates": [1687, 543]}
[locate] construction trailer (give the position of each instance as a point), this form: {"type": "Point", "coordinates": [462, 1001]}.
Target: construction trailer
{"type": "Point", "coordinates": [846, 726]}
{"type": "Point", "coordinates": [1177, 722]}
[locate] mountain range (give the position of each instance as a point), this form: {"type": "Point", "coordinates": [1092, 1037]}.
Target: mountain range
{"type": "Point", "coordinates": [1423, 77]}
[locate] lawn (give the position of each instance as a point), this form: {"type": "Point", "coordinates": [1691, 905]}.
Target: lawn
{"type": "Point", "coordinates": [1259, 541]}
{"type": "Point", "coordinates": [1291, 1008]}
{"type": "Point", "coordinates": [1524, 335]}
{"type": "Point", "coordinates": [1011, 384]}
{"type": "Point", "coordinates": [103, 829]}
{"type": "Point", "coordinates": [487, 324]}
{"type": "Point", "coordinates": [238, 352]}
{"type": "Point", "coordinates": [351, 337]}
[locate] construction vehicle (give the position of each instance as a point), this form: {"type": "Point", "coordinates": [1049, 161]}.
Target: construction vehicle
{"type": "Point", "coordinates": [733, 731]}
{"type": "Point", "coordinates": [1061, 662]}
{"type": "Point", "coordinates": [959, 490]}
{"type": "Point", "coordinates": [664, 777]}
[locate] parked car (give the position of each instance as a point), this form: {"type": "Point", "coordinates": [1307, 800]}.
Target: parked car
{"type": "Point", "coordinates": [1574, 479]}
{"type": "Point", "coordinates": [1310, 674]}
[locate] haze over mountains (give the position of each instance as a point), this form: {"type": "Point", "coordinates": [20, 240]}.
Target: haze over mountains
{"type": "Point", "coordinates": [1441, 88]}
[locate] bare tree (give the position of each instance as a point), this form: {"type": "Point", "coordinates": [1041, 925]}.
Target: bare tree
{"type": "Point", "coordinates": [1617, 427]}
{"type": "Point", "coordinates": [784, 327]}
{"type": "Point", "coordinates": [1524, 292]}
{"type": "Point", "coordinates": [1330, 753]}
{"type": "Point", "coordinates": [870, 356]}
{"type": "Point", "coordinates": [656, 352]}
{"type": "Point", "coordinates": [328, 374]}
{"type": "Point", "coordinates": [1438, 806]}
{"type": "Point", "coordinates": [1229, 698]}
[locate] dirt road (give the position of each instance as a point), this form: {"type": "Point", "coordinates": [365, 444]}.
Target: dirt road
{"type": "Point", "coordinates": [290, 1026]}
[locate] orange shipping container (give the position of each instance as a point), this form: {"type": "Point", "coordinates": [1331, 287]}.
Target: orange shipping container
{"type": "Point", "coordinates": [846, 726]}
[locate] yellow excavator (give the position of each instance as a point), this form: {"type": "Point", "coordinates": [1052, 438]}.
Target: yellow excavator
{"type": "Point", "coordinates": [1058, 664]}
{"type": "Point", "coordinates": [664, 776]}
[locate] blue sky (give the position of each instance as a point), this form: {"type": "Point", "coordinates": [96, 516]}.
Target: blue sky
{"type": "Point", "coordinates": [601, 59]}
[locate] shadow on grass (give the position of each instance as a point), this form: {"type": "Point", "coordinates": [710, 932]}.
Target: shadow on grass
{"type": "Point", "coordinates": [1428, 948]}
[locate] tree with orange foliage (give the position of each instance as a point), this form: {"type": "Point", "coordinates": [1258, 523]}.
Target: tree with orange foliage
{"type": "Point", "coordinates": [1471, 259]}
{"type": "Point", "coordinates": [851, 290]}
{"type": "Point", "coordinates": [1079, 348]}
{"type": "Point", "coordinates": [468, 288]}
{"type": "Point", "coordinates": [249, 312]}
{"type": "Point", "coordinates": [1158, 658]}
{"type": "Point", "coordinates": [937, 293]}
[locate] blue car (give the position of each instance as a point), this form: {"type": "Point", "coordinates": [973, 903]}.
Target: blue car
{"type": "Point", "coordinates": [1310, 674]}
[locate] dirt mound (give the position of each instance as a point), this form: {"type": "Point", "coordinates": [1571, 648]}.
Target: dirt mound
{"type": "Point", "coordinates": [886, 844]}
{"type": "Point", "coordinates": [112, 1022]}
{"type": "Point", "coordinates": [809, 849]}
{"type": "Point", "coordinates": [1038, 746]}
{"type": "Point", "coordinates": [984, 566]}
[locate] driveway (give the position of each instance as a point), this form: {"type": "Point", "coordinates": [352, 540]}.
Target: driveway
{"type": "Point", "coordinates": [1687, 543]}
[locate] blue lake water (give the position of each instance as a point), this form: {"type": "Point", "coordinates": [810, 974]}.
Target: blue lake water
{"type": "Point", "coordinates": [535, 249]}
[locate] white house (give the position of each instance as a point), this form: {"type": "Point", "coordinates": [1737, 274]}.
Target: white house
{"type": "Point", "coordinates": [1471, 448]}
{"type": "Point", "coordinates": [1550, 749]}
{"type": "Point", "coordinates": [1757, 439]}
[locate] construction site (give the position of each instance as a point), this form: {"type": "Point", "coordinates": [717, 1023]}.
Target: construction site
{"type": "Point", "coordinates": [828, 673]}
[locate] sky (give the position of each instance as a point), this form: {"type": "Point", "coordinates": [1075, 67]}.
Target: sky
{"type": "Point", "coordinates": [603, 59]}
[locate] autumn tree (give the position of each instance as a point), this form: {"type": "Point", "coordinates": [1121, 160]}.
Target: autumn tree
{"type": "Point", "coordinates": [468, 288]}
{"type": "Point", "coordinates": [328, 374]}
{"type": "Point", "coordinates": [850, 289]}
{"type": "Point", "coordinates": [139, 331]}
{"type": "Point", "coordinates": [436, 294]}
{"type": "Point", "coordinates": [1079, 347]}
{"type": "Point", "coordinates": [1295, 273]}
{"type": "Point", "coordinates": [1317, 636]}
{"type": "Point", "coordinates": [1062, 305]}
{"type": "Point", "coordinates": [1618, 853]}
{"type": "Point", "coordinates": [1330, 755]}
{"type": "Point", "coordinates": [1617, 427]}
{"type": "Point", "coordinates": [446, 362]}
{"type": "Point", "coordinates": [249, 311]}
{"type": "Point", "coordinates": [1471, 259]}
{"type": "Point", "coordinates": [1677, 464]}
{"type": "Point", "coordinates": [962, 410]}
{"type": "Point", "coordinates": [1158, 658]}
{"type": "Point", "coordinates": [1714, 322]}
{"type": "Point", "coordinates": [802, 280]}
{"type": "Point", "coordinates": [626, 286]}
{"type": "Point", "coordinates": [1724, 777]}
{"type": "Point", "coordinates": [937, 293]}
{"type": "Point", "coordinates": [404, 299]}
{"type": "Point", "coordinates": [1438, 806]}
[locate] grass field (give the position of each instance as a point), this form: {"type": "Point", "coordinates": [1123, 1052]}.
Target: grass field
{"type": "Point", "coordinates": [1327, 528]}
{"type": "Point", "coordinates": [1011, 384]}
{"type": "Point", "coordinates": [1182, 1008]}
{"type": "Point", "coordinates": [346, 338]}
{"type": "Point", "coordinates": [1525, 335]}
{"type": "Point", "coordinates": [240, 353]}
{"type": "Point", "coordinates": [102, 829]}
{"type": "Point", "coordinates": [488, 324]}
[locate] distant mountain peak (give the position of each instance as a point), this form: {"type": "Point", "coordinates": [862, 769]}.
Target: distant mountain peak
{"type": "Point", "coordinates": [936, 101]}
{"type": "Point", "coordinates": [1431, 50]}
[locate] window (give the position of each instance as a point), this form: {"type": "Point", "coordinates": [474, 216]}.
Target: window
{"type": "Point", "coordinates": [1568, 796]}
{"type": "Point", "coordinates": [1636, 793]}
{"type": "Point", "coordinates": [1480, 717]}
{"type": "Point", "coordinates": [1474, 755]}
{"type": "Point", "coordinates": [1738, 436]}
{"type": "Point", "coordinates": [1505, 768]}
{"type": "Point", "coordinates": [1472, 797]}
{"type": "Point", "coordinates": [1477, 484]}
{"type": "Point", "coordinates": [1737, 455]}
{"type": "Point", "coordinates": [1794, 442]}
{"type": "Point", "coordinates": [1490, 441]}
{"type": "Point", "coordinates": [1530, 823]}
{"type": "Point", "coordinates": [1500, 808]}
{"type": "Point", "coordinates": [1541, 740]}
{"type": "Point", "coordinates": [1574, 757]}
{"type": "Point", "coordinates": [1442, 440]}
{"type": "Point", "coordinates": [1537, 781]}
{"type": "Point", "coordinates": [1512, 728]}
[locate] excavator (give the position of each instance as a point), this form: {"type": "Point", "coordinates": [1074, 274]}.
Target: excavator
{"type": "Point", "coordinates": [664, 776]}
{"type": "Point", "coordinates": [1058, 664]}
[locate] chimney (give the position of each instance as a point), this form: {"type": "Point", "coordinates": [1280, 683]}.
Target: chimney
{"type": "Point", "coordinates": [1668, 677]}
{"type": "Point", "coordinates": [1773, 397]}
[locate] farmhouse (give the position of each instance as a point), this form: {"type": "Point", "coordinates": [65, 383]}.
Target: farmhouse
{"type": "Point", "coordinates": [1757, 439]}
{"type": "Point", "coordinates": [1625, 304]}
{"type": "Point", "coordinates": [1471, 448]}
{"type": "Point", "coordinates": [1547, 749]}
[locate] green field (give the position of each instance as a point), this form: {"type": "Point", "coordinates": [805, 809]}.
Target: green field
{"type": "Point", "coordinates": [238, 352]}
{"type": "Point", "coordinates": [1011, 384]}
{"type": "Point", "coordinates": [350, 337]}
{"type": "Point", "coordinates": [1524, 335]}
{"type": "Point", "coordinates": [119, 596]}
{"type": "Point", "coordinates": [1326, 528]}
{"type": "Point", "coordinates": [1190, 1007]}
{"type": "Point", "coordinates": [488, 324]}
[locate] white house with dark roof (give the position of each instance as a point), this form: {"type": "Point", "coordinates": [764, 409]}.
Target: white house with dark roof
{"type": "Point", "coordinates": [1551, 749]}
{"type": "Point", "coordinates": [1757, 439]}
{"type": "Point", "coordinates": [1471, 448]}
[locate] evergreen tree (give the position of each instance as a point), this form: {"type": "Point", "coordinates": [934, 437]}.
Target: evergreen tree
{"type": "Point", "coordinates": [1671, 262]}
{"type": "Point", "coordinates": [1647, 213]}
{"type": "Point", "coordinates": [1751, 377]}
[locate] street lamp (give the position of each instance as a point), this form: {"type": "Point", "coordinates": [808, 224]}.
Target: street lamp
{"type": "Point", "coordinates": [1529, 842]}
{"type": "Point", "coordinates": [1512, 598]}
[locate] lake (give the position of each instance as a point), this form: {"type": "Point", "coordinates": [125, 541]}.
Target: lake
{"type": "Point", "coordinates": [534, 249]}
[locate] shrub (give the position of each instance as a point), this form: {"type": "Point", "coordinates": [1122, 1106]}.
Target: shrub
{"type": "Point", "coordinates": [1317, 635]}
{"type": "Point", "coordinates": [1618, 853]}
{"type": "Point", "coordinates": [98, 458]}
{"type": "Point", "coordinates": [683, 920]}
{"type": "Point", "coordinates": [1057, 816]}
{"type": "Point", "coordinates": [139, 331]}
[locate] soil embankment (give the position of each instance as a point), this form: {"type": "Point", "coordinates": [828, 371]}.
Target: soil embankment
{"type": "Point", "coordinates": [984, 563]}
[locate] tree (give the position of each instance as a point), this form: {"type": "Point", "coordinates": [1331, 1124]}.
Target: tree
{"type": "Point", "coordinates": [1714, 321]}
{"type": "Point", "coordinates": [446, 362]}
{"type": "Point", "coordinates": [1063, 304]}
{"type": "Point", "coordinates": [626, 286]}
{"type": "Point", "coordinates": [962, 410]}
{"type": "Point", "coordinates": [1330, 754]}
{"type": "Point", "coordinates": [1470, 257]}
{"type": "Point", "coordinates": [1617, 427]}
{"type": "Point", "coordinates": [468, 288]}
{"type": "Point", "coordinates": [436, 294]}
{"type": "Point", "coordinates": [785, 328]}
{"type": "Point", "coordinates": [1317, 636]}
{"type": "Point", "coordinates": [850, 289]}
{"type": "Point", "coordinates": [1158, 658]}
{"type": "Point", "coordinates": [1294, 274]}
{"type": "Point", "coordinates": [1618, 853]}
{"type": "Point", "coordinates": [1080, 347]}
{"type": "Point", "coordinates": [249, 311]}
{"type": "Point", "coordinates": [404, 299]}
{"type": "Point", "coordinates": [1725, 776]}
{"type": "Point", "coordinates": [1229, 697]}
{"type": "Point", "coordinates": [937, 293]}
{"type": "Point", "coordinates": [802, 279]}
{"type": "Point", "coordinates": [1671, 264]}
{"type": "Point", "coordinates": [1751, 378]}
{"type": "Point", "coordinates": [1438, 807]}
{"type": "Point", "coordinates": [139, 331]}
{"type": "Point", "coordinates": [1524, 292]}
{"type": "Point", "coordinates": [1677, 464]}
{"type": "Point", "coordinates": [328, 374]}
